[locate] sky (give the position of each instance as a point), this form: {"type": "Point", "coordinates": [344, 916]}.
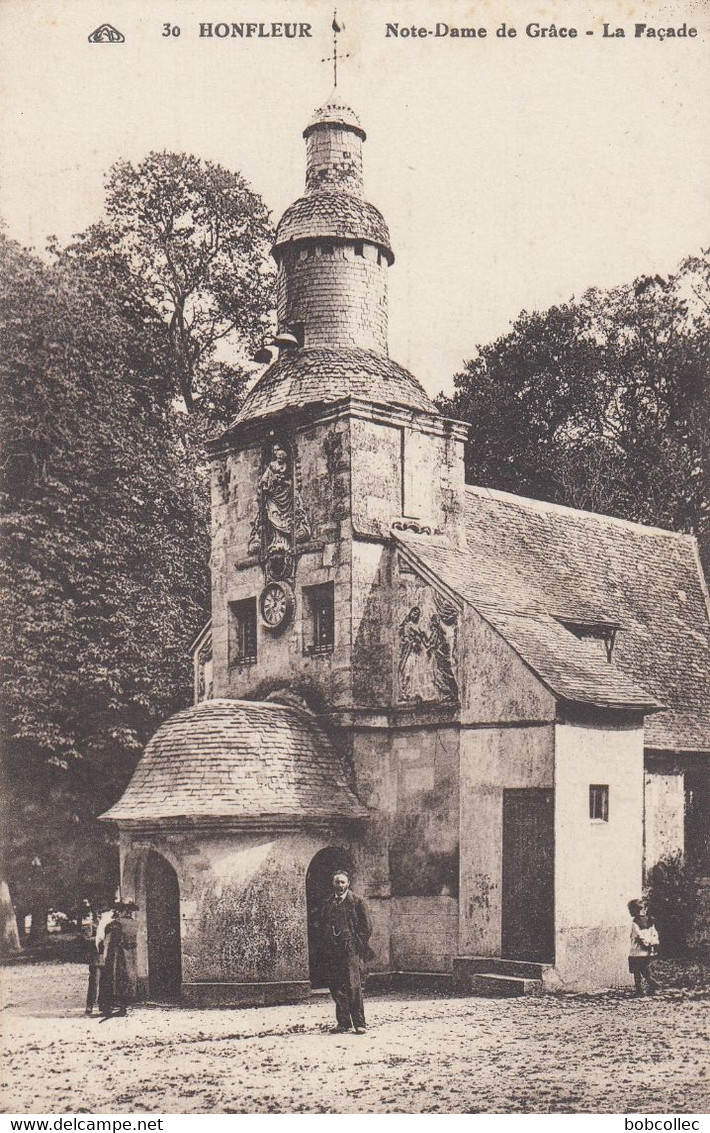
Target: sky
{"type": "Point", "coordinates": [514, 172]}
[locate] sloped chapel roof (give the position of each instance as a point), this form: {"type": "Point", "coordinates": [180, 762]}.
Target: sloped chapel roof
{"type": "Point", "coordinates": [530, 567]}
{"type": "Point", "coordinates": [323, 374]}
{"type": "Point", "coordinates": [238, 760]}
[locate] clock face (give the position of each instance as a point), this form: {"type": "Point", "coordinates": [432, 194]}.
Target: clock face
{"type": "Point", "coordinates": [276, 604]}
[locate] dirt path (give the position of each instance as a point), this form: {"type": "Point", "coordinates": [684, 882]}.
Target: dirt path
{"type": "Point", "coordinates": [604, 1053]}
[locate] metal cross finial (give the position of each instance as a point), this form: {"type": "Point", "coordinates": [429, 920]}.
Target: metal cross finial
{"type": "Point", "coordinates": [337, 29]}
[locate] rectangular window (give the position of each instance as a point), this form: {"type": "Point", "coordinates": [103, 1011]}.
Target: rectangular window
{"type": "Point", "coordinates": [318, 619]}
{"type": "Point", "coordinates": [599, 803]}
{"type": "Point", "coordinates": [242, 632]}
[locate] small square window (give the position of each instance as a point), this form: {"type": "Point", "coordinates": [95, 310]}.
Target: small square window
{"type": "Point", "coordinates": [242, 632]}
{"type": "Point", "coordinates": [318, 619]}
{"type": "Point", "coordinates": [599, 803]}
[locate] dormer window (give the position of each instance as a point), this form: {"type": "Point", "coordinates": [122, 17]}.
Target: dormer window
{"type": "Point", "coordinates": [603, 632]}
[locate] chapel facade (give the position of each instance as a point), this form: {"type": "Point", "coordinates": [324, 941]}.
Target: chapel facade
{"type": "Point", "coordinates": [489, 709]}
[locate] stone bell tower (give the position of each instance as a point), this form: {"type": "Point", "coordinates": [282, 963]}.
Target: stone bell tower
{"type": "Point", "coordinates": [332, 247]}
{"type": "Point", "coordinates": [334, 446]}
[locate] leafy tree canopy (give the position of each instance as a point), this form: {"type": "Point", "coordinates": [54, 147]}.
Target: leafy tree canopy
{"type": "Point", "coordinates": [185, 242]}
{"type": "Point", "coordinates": [602, 403]}
{"type": "Point", "coordinates": [105, 557]}
{"type": "Point", "coordinates": [119, 360]}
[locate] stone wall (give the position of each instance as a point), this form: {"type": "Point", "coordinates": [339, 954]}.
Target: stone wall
{"type": "Point", "coordinates": [495, 684]}
{"type": "Point", "coordinates": [402, 471]}
{"type": "Point", "coordinates": [424, 933]}
{"type": "Point", "coordinates": [334, 160]}
{"type": "Point", "coordinates": [493, 759]}
{"type": "Point", "coordinates": [321, 455]}
{"type": "Point", "coordinates": [336, 293]}
{"type": "Point", "coordinates": [408, 863]}
{"type": "Point", "coordinates": [664, 809]}
{"type": "Point", "coordinates": [242, 910]}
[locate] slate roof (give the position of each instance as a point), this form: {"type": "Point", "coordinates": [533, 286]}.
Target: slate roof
{"type": "Point", "coordinates": [529, 566]}
{"type": "Point", "coordinates": [335, 112]}
{"type": "Point", "coordinates": [336, 214]}
{"type": "Point", "coordinates": [324, 374]}
{"type": "Point", "coordinates": [237, 759]}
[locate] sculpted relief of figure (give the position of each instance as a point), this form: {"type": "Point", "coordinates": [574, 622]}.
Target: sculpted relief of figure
{"type": "Point", "coordinates": [413, 683]}
{"type": "Point", "coordinates": [281, 520]}
{"type": "Point", "coordinates": [426, 659]}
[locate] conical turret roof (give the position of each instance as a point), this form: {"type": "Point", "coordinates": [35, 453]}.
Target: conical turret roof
{"type": "Point", "coordinates": [335, 112]}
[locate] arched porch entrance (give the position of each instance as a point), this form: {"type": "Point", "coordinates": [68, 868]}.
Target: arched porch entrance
{"type": "Point", "coordinates": [318, 885]}
{"type": "Point", "coordinates": [163, 927]}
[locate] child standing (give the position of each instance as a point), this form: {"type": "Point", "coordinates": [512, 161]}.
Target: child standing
{"type": "Point", "coordinates": [643, 947]}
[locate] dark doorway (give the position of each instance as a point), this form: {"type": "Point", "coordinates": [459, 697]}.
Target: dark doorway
{"type": "Point", "coordinates": [528, 875]}
{"type": "Point", "coordinates": [318, 886]}
{"type": "Point", "coordinates": [163, 921]}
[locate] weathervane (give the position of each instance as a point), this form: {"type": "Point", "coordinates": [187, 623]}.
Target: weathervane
{"type": "Point", "coordinates": [337, 29]}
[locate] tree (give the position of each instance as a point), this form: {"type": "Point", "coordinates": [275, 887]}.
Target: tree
{"type": "Point", "coordinates": [105, 568]}
{"type": "Point", "coordinates": [186, 241]}
{"type": "Point", "coordinates": [120, 359]}
{"type": "Point", "coordinates": [601, 403]}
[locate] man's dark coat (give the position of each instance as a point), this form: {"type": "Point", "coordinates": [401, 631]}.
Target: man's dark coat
{"type": "Point", "coordinates": [358, 921]}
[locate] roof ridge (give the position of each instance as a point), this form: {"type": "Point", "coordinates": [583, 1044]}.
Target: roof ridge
{"type": "Point", "coordinates": [231, 701]}
{"type": "Point", "coordinates": [549, 505]}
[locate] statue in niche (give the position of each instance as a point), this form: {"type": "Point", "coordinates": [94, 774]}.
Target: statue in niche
{"type": "Point", "coordinates": [281, 520]}
{"type": "Point", "coordinates": [427, 659]}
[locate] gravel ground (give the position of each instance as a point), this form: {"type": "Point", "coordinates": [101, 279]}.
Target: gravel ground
{"type": "Point", "coordinates": [605, 1053]}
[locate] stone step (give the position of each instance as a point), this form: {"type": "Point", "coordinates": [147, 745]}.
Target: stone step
{"type": "Point", "coordinates": [465, 966]}
{"type": "Point", "coordinates": [412, 981]}
{"type": "Point", "coordinates": [501, 986]}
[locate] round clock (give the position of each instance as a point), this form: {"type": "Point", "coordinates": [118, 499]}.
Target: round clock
{"type": "Point", "coordinates": [276, 604]}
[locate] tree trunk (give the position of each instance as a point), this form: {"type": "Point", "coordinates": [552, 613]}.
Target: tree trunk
{"type": "Point", "coordinates": [38, 927]}
{"type": "Point", "coordinates": [10, 940]}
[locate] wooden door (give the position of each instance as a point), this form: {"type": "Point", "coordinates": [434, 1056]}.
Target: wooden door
{"type": "Point", "coordinates": [528, 875]}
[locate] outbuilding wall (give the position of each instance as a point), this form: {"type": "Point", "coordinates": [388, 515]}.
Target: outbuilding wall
{"type": "Point", "coordinates": [243, 914]}
{"type": "Point", "coordinates": [664, 808]}
{"type": "Point", "coordinates": [598, 864]}
{"type": "Point", "coordinates": [493, 759]}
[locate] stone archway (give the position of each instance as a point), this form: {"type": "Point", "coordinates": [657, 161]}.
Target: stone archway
{"type": "Point", "coordinates": [162, 899]}
{"type": "Point", "coordinates": [318, 885]}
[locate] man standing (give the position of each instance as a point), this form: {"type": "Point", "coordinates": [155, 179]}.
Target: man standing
{"type": "Point", "coordinates": [345, 931]}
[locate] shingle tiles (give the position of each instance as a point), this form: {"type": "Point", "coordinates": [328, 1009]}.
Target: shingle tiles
{"type": "Point", "coordinates": [238, 759]}
{"type": "Point", "coordinates": [332, 213]}
{"type": "Point", "coordinates": [325, 375]}
{"type": "Point", "coordinates": [530, 566]}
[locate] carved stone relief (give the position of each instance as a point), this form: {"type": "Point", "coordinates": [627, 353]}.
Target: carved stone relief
{"type": "Point", "coordinates": [428, 643]}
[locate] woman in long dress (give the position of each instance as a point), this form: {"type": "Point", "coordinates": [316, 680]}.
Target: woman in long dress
{"type": "Point", "coordinates": [116, 988]}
